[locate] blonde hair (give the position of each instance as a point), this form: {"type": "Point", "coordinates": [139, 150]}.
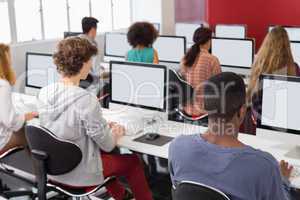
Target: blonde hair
{"type": "Point", "coordinates": [274, 57]}
{"type": "Point", "coordinates": [6, 71]}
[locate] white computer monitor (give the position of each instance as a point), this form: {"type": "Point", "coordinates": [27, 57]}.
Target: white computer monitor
{"type": "Point", "coordinates": [40, 71]}
{"type": "Point", "coordinates": [187, 30]}
{"type": "Point", "coordinates": [279, 108]}
{"type": "Point", "coordinates": [231, 31]}
{"type": "Point", "coordinates": [138, 85]}
{"type": "Point", "coordinates": [116, 46]}
{"type": "Point", "coordinates": [293, 32]}
{"type": "Point", "coordinates": [171, 49]}
{"type": "Point", "coordinates": [295, 46]}
{"type": "Point", "coordinates": [235, 55]}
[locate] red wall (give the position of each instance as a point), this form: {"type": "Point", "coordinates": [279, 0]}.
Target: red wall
{"type": "Point", "coordinates": [256, 14]}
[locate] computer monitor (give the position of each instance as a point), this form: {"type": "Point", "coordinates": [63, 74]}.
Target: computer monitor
{"type": "Point", "coordinates": [235, 55]}
{"type": "Point", "coordinates": [40, 71]}
{"type": "Point", "coordinates": [187, 30]}
{"type": "Point", "coordinates": [157, 26]}
{"type": "Point", "coordinates": [295, 46]}
{"type": "Point", "coordinates": [138, 85]}
{"type": "Point", "coordinates": [231, 31]}
{"type": "Point", "coordinates": [279, 102]}
{"type": "Point", "coordinates": [293, 32]}
{"type": "Point", "coordinates": [71, 34]}
{"type": "Point", "coordinates": [171, 49]}
{"type": "Point", "coordinates": [116, 46]}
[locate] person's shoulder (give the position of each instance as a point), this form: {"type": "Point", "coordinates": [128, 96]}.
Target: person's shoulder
{"type": "Point", "coordinates": [181, 140]}
{"type": "Point", "coordinates": [4, 83]}
{"type": "Point", "coordinates": [263, 157]}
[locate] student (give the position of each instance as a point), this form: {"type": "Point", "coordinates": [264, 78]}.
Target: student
{"type": "Point", "coordinates": [197, 66]}
{"type": "Point", "coordinates": [274, 57]}
{"type": "Point", "coordinates": [217, 158]}
{"type": "Point", "coordinates": [74, 114]}
{"type": "Point", "coordinates": [11, 132]}
{"type": "Point", "coordinates": [141, 36]}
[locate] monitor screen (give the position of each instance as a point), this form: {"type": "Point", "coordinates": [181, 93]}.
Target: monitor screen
{"type": "Point", "coordinates": [138, 85]}
{"type": "Point", "coordinates": [234, 52]}
{"type": "Point", "coordinates": [71, 34]}
{"type": "Point", "coordinates": [279, 102]}
{"type": "Point", "coordinates": [293, 32]}
{"type": "Point", "coordinates": [170, 48]}
{"type": "Point", "coordinates": [187, 30]}
{"type": "Point", "coordinates": [231, 31]}
{"type": "Point", "coordinates": [116, 45]}
{"type": "Point", "coordinates": [40, 70]}
{"type": "Point", "coordinates": [295, 46]}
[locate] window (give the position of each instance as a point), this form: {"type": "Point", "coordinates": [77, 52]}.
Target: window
{"type": "Point", "coordinates": [55, 18]}
{"type": "Point", "coordinates": [78, 10]}
{"type": "Point", "coordinates": [28, 19]}
{"type": "Point", "coordinates": [4, 21]}
{"type": "Point", "coordinates": [145, 10]}
{"type": "Point", "coordinates": [101, 9]}
{"type": "Point", "coordinates": [121, 14]}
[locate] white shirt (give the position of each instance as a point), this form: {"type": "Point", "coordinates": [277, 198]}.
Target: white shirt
{"type": "Point", "coordinates": [10, 121]}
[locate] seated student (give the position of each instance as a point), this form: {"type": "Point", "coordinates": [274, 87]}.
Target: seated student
{"type": "Point", "coordinates": [11, 132]}
{"type": "Point", "coordinates": [274, 57]}
{"type": "Point", "coordinates": [217, 158]}
{"type": "Point", "coordinates": [141, 36]}
{"type": "Point", "coordinates": [197, 66]}
{"type": "Point", "coordinates": [74, 114]}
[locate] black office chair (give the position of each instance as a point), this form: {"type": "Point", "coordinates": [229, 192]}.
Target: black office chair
{"type": "Point", "coordinates": [87, 82]}
{"type": "Point", "coordinates": [187, 190]}
{"type": "Point", "coordinates": [181, 94]}
{"type": "Point", "coordinates": [4, 190]}
{"type": "Point", "coordinates": [54, 156]}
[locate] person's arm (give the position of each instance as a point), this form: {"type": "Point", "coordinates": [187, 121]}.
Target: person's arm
{"type": "Point", "coordinates": [103, 134]}
{"type": "Point", "coordinates": [8, 117]}
{"type": "Point", "coordinates": [279, 188]}
{"type": "Point", "coordinates": [155, 57]}
{"type": "Point", "coordinates": [216, 67]}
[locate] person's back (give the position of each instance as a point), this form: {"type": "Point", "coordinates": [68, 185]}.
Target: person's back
{"type": "Point", "coordinates": [198, 66]}
{"type": "Point", "coordinates": [241, 173]}
{"type": "Point", "coordinates": [217, 158]}
{"type": "Point", "coordinates": [144, 55]}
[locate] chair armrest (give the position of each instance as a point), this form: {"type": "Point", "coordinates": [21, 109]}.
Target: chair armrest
{"type": "Point", "coordinates": [39, 155]}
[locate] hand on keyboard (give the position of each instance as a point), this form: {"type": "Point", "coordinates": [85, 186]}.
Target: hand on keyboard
{"type": "Point", "coordinates": [286, 169]}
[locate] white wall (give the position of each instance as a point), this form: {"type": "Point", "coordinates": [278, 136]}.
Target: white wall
{"type": "Point", "coordinates": [145, 10]}
{"type": "Point", "coordinates": [46, 46]}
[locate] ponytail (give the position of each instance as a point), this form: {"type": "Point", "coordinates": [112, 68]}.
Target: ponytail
{"type": "Point", "coordinates": [191, 55]}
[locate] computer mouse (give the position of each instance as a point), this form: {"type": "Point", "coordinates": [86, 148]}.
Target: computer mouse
{"type": "Point", "coordinates": [152, 136]}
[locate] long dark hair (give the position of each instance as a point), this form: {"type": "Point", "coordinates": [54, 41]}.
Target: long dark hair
{"type": "Point", "coordinates": [201, 36]}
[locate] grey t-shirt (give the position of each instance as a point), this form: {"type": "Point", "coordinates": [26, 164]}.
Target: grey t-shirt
{"type": "Point", "coordinates": [241, 173]}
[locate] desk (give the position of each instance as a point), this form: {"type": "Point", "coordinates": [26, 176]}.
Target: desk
{"type": "Point", "coordinates": [174, 129]}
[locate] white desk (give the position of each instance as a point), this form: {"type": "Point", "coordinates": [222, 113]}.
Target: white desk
{"type": "Point", "coordinates": [174, 129]}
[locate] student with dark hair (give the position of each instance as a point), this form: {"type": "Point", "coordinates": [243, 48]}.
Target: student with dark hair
{"type": "Point", "coordinates": [75, 115]}
{"type": "Point", "coordinates": [89, 29]}
{"type": "Point", "coordinates": [197, 66]}
{"type": "Point", "coordinates": [141, 36]}
{"type": "Point", "coordinates": [218, 159]}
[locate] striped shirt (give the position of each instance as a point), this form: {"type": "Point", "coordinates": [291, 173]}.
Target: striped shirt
{"type": "Point", "coordinates": [205, 66]}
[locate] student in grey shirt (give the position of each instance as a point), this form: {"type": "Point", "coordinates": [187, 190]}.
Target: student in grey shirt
{"type": "Point", "coordinates": [218, 159]}
{"type": "Point", "coordinates": [74, 114]}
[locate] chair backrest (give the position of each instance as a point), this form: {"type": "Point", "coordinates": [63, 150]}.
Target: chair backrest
{"type": "Point", "coordinates": [188, 190]}
{"type": "Point", "coordinates": [180, 88]}
{"type": "Point", "coordinates": [87, 82]}
{"type": "Point", "coordinates": [62, 156]}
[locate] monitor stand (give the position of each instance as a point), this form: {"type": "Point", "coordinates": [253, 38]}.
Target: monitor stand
{"type": "Point", "coordinates": [294, 153]}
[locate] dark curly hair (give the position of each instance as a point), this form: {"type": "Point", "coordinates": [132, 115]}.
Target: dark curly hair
{"type": "Point", "coordinates": [71, 54]}
{"type": "Point", "coordinates": [142, 33]}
